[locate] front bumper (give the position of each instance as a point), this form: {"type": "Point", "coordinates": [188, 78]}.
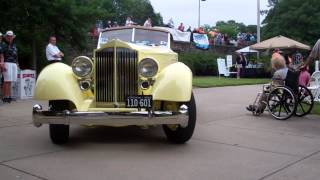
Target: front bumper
{"type": "Point", "coordinates": [139, 118]}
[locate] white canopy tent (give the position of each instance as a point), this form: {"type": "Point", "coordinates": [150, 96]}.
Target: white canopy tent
{"type": "Point", "coordinates": [247, 50]}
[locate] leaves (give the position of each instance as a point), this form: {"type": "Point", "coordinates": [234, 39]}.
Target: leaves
{"type": "Point", "coordinates": [293, 18]}
{"type": "Point", "coordinates": [70, 20]}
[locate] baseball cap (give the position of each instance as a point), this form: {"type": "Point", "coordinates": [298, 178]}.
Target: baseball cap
{"type": "Point", "coordinates": [9, 33]}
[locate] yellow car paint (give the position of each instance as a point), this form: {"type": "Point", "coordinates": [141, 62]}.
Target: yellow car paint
{"type": "Point", "coordinates": [57, 82]}
{"type": "Point", "coordinates": [173, 81]}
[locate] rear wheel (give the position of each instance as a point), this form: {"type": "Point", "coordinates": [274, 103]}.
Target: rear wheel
{"type": "Point", "coordinates": [59, 133]}
{"type": "Point", "coordinates": [305, 101]}
{"type": "Point", "coordinates": [183, 134]}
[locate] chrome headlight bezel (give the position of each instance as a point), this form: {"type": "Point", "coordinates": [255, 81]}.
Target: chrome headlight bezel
{"type": "Point", "coordinates": [82, 66]}
{"type": "Point", "coordinates": [148, 68]}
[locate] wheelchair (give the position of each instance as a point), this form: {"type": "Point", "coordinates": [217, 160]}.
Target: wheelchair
{"type": "Point", "coordinates": [285, 99]}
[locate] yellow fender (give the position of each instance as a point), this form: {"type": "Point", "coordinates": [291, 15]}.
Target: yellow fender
{"type": "Point", "coordinates": [174, 83]}
{"type": "Point", "coordinates": [57, 82]}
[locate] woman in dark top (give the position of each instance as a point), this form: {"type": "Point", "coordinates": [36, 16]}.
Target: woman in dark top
{"type": "Point", "coordinates": [241, 65]}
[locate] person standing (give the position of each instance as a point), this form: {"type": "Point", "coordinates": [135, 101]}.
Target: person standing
{"type": "Point", "coordinates": [314, 54]}
{"type": "Point", "coordinates": [109, 24]}
{"type": "Point", "coordinates": [1, 63]}
{"type": "Point", "coordinates": [189, 29]}
{"type": "Point", "coordinates": [148, 23]}
{"type": "Point", "coordinates": [53, 53]}
{"type": "Point", "coordinates": [241, 65]}
{"type": "Point", "coordinates": [1, 42]}
{"type": "Point", "coordinates": [129, 22]}
{"type": "Point", "coordinates": [9, 65]}
{"type": "Point", "coordinates": [181, 27]}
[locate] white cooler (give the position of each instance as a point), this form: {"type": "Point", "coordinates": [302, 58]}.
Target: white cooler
{"type": "Point", "coordinates": [25, 85]}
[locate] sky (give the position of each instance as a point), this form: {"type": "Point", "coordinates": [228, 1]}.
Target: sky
{"type": "Point", "coordinates": [186, 11]}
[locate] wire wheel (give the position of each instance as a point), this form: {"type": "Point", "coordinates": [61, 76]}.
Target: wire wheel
{"type": "Point", "coordinates": [305, 101]}
{"type": "Point", "coordinates": [282, 103]}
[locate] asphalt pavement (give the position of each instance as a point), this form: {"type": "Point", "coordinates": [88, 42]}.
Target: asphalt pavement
{"type": "Point", "coordinates": [228, 143]}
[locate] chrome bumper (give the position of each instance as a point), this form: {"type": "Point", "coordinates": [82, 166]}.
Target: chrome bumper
{"type": "Point", "coordinates": [140, 118]}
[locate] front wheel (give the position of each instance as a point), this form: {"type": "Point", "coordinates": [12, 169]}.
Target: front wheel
{"type": "Point", "coordinates": [180, 134]}
{"type": "Point", "coordinates": [59, 133]}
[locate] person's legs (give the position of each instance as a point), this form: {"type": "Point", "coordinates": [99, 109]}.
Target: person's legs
{"type": "Point", "coordinates": [9, 76]}
{"type": "Point", "coordinates": [259, 103]}
{"type": "Point", "coordinates": [6, 91]}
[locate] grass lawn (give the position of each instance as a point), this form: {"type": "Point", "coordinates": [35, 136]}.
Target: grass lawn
{"type": "Point", "coordinates": [211, 81]}
{"type": "Point", "coordinates": [316, 109]}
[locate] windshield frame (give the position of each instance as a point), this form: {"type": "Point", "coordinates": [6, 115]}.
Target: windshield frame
{"type": "Point", "coordinates": [168, 45]}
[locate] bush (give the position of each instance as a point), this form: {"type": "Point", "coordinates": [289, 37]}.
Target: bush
{"type": "Point", "coordinates": [201, 63]}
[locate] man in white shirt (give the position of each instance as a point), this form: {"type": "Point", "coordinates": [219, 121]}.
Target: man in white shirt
{"type": "Point", "coordinates": [52, 51]}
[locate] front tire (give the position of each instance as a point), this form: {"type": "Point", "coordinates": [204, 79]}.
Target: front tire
{"type": "Point", "coordinates": [59, 133]}
{"type": "Point", "coordinates": [181, 135]}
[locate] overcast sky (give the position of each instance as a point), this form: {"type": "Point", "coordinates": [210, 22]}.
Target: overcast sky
{"type": "Point", "coordinates": [186, 11]}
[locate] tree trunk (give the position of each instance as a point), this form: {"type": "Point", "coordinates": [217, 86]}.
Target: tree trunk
{"type": "Point", "coordinates": [34, 55]}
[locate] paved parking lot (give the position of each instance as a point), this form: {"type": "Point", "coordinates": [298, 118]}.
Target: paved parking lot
{"type": "Point", "coordinates": [229, 143]}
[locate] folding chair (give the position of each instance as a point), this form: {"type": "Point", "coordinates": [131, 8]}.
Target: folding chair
{"type": "Point", "coordinates": [315, 85]}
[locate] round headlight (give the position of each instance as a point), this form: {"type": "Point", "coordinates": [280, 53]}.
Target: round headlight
{"type": "Point", "coordinates": [148, 67]}
{"type": "Point", "coordinates": [82, 66]}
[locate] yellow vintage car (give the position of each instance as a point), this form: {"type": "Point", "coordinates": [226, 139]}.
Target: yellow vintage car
{"type": "Point", "coordinates": [133, 78]}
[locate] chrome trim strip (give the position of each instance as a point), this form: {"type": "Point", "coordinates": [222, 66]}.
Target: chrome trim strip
{"type": "Point", "coordinates": [133, 34]}
{"type": "Point", "coordinates": [139, 118]}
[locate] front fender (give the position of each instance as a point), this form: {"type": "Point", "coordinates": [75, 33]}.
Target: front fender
{"type": "Point", "coordinates": [57, 82]}
{"type": "Point", "coordinates": [174, 83]}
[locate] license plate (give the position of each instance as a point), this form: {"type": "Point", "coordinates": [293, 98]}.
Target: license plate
{"type": "Point", "coordinates": [139, 101]}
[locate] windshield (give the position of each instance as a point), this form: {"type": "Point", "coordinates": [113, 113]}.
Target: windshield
{"type": "Point", "coordinates": [141, 37]}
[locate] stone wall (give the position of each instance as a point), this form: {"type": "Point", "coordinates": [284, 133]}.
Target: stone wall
{"type": "Point", "coordinates": [189, 47]}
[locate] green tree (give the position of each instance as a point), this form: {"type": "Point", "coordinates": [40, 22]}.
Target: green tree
{"type": "Point", "coordinates": [121, 9]}
{"type": "Point", "coordinates": [232, 28]}
{"type": "Point", "coordinates": [296, 19]}
{"type": "Point", "coordinates": [34, 21]}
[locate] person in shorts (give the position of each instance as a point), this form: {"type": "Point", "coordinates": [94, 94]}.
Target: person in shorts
{"type": "Point", "coordinates": [9, 60]}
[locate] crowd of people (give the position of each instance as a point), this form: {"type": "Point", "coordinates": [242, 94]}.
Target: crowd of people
{"type": "Point", "coordinates": [100, 25]}
{"type": "Point", "coordinates": [246, 38]}
{"type": "Point", "coordinates": [222, 39]}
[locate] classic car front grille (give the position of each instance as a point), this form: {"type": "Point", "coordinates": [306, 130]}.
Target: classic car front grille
{"type": "Point", "coordinates": [116, 74]}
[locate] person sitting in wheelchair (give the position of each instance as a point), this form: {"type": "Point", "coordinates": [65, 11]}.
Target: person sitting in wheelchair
{"type": "Point", "coordinates": [280, 69]}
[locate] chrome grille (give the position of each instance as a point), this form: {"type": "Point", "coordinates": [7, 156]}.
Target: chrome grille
{"type": "Point", "coordinates": [116, 79]}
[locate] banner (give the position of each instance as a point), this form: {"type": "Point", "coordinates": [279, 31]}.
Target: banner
{"type": "Point", "coordinates": [201, 40]}
{"type": "Point", "coordinates": [177, 35]}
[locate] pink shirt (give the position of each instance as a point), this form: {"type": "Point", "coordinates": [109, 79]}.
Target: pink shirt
{"type": "Point", "coordinates": [304, 78]}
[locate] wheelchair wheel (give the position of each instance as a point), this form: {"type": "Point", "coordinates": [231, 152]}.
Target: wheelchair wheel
{"type": "Point", "coordinates": [282, 103]}
{"type": "Point", "coordinates": [305, 101]}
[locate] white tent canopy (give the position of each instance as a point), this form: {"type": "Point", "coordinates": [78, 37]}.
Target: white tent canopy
{"type": "Point", "coordinates": [246, 50]}
{"type": "Point", "coordinates": [280, 42]}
